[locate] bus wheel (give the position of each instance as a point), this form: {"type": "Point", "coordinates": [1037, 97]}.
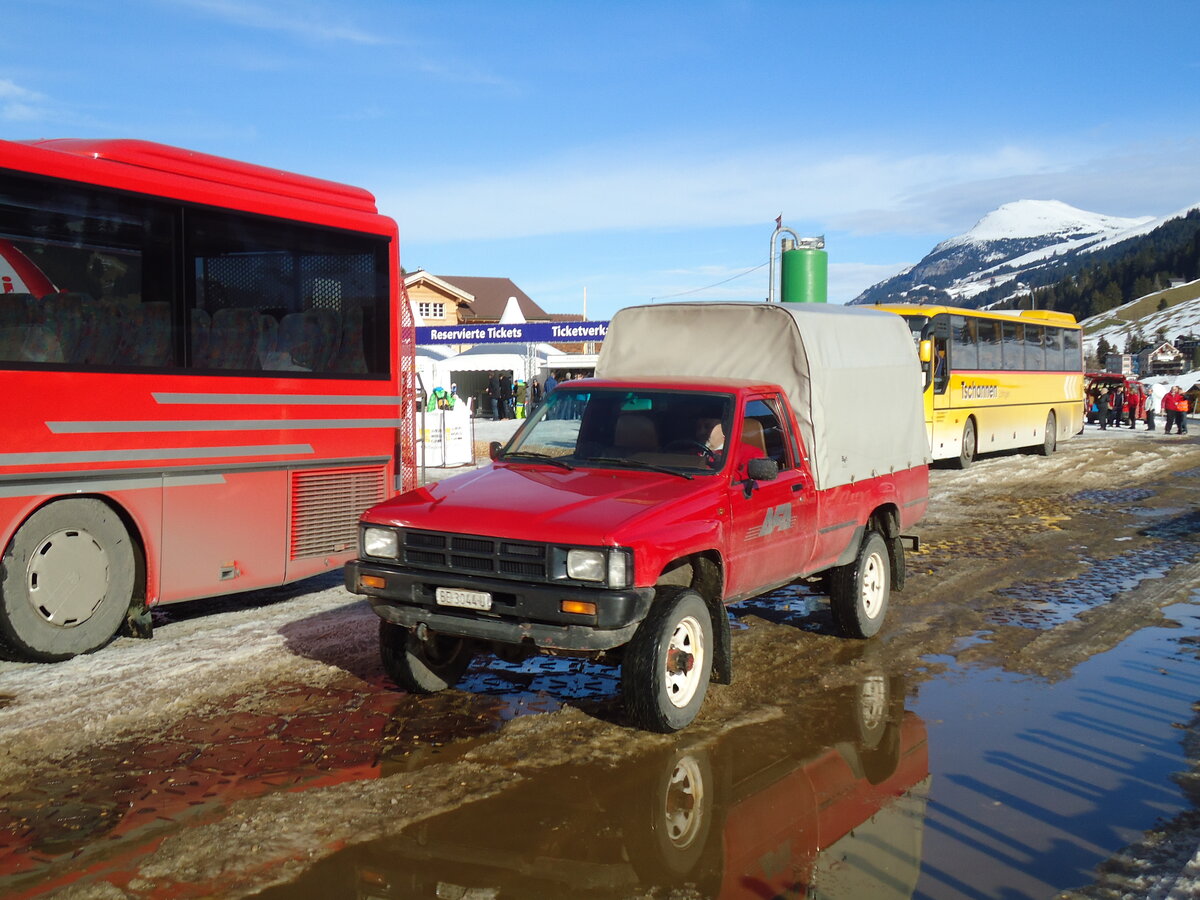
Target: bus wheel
{"type": "Point", "coordinates": [423, 666]}
{"type": "Point", "coordinates": [667, 664]}
{"type": "Point", "coordinates": [1050, 438]}
{"type": "Point", "coordinates": [67, 581]}
{"type": "Point", "coordinates": [859, 599]}
{"type": "Point", "coordinates": [966, 454]}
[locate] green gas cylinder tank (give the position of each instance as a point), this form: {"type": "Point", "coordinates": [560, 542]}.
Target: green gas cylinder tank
{"type": "Point", "coordinates": [804, 275]}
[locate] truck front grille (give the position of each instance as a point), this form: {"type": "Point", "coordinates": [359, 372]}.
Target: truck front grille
{"type": "Point", "coordinates": [471, 554]}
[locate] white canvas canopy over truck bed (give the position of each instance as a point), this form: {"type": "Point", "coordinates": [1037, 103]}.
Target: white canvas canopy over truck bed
{"type": "Point", "coordinates": [851, 374]}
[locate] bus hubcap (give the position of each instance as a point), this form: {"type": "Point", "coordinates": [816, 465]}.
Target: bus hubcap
{"type": "Point", "coordinates": [67, 577]}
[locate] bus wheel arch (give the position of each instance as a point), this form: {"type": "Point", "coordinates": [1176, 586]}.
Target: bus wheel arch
{"type": "Point", "coordinates": [68, 579]}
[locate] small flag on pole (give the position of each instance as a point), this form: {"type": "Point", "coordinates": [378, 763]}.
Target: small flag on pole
{"type": "Point", "coordinates": [779, 221]}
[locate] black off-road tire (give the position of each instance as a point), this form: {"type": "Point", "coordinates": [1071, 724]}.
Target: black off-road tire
{"type": "Point", "coordinates": [667, 664]}
{"type": "Point", "coordinates": [861, 590]}
{"type": "Point", "coordinates": [1050, 438]}
{"type": "Point", "coordinates": [423, 667]}
{"type": "Point", "coordinates": [969, 447]}
{"type": "Point", "coordinates": [66, 581]}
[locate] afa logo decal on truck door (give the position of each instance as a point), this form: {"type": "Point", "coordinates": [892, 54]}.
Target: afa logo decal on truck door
{"type": "Point", "coordinates": [778, 518]}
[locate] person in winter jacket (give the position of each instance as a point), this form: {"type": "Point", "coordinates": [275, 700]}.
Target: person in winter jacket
{"type": "Point", "coordinates": [1136, 398]}
{"type": "Point", "coordinates": [1154, 405]}
{"type": "Point", "coordinates": [1102, 401]}
{"type": "Point", "coordinates": [1175, 405]}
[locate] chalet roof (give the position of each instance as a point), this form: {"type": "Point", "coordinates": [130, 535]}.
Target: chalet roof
{"type": "Point", "coordinates": [486, 297]}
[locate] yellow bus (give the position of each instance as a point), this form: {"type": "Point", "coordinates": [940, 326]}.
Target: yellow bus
{"type": "Point", "coordinates": [997, 380]}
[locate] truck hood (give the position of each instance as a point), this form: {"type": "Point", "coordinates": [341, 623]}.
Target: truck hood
{"type": "Point", "coordinates": [539, 503]}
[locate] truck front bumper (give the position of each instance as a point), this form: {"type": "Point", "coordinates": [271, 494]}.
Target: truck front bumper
{"type": "Point", "coordinates": [521, 613]}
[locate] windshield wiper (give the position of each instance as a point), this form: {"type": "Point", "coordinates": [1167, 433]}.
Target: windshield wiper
{"type": "Point", "coordinates": [637, 464]}
{"type": "Point", "coordinates": [541, 457]}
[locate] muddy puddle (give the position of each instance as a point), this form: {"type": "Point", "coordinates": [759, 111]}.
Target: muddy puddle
{"type": "Point", "coordinates": [979, 783]}
{"type": "Point", "coordinates": [830, 796]}
{"type": "Point", "coordinates": [1034, 784]}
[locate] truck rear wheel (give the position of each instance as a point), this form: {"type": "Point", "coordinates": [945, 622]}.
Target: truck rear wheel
{"type": "Point", "coordinates": [860, 591]}
{"type": "Point", "coordinates": [423, 666]}
{"type": "Point", "coordinates": [664, 676]}
{"type": "Point", "coordinates": [67, 581]}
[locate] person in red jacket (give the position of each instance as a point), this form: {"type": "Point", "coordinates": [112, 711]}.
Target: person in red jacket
{"type": "Point", "coordinates": [1175, 405]}
{"type": "Point", "coordinates": [1137, 404]}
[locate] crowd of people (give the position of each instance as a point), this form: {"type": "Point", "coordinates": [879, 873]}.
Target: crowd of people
{"type": "Point", "coordinates": [504, 398]}
{"type": "Point", "coordinates": [1120, 406]}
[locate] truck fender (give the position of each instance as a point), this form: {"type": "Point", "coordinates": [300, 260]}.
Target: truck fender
{"type": "Point", "coordinates": [722, 670]}
{"type": "Point", "coordinates": [851, 552]}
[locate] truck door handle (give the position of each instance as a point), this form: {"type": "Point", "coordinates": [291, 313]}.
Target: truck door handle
{"type": "Point", "coordinates": [797, 487]}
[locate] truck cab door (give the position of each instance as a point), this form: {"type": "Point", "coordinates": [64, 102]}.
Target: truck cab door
{"type": "Point", "coordinates": [773, 523]}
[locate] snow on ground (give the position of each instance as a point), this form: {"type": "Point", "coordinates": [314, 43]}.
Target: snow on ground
{"type": "Point", "coordinates": [102, 698]}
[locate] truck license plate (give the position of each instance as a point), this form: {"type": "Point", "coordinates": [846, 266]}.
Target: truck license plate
{"type": "Point", "coordinates": [466, 599]}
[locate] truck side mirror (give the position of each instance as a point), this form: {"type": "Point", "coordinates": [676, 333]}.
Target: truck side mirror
{"type": "Point", "coordinates": [494, 450]}
{"type": "Point", "coordinates": [925, 351]}
{"type": "Point", "coordinates": [762, 470]}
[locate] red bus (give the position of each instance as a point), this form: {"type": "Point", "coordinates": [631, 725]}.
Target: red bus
{"type": "Point", "coordinates": [205, 374]}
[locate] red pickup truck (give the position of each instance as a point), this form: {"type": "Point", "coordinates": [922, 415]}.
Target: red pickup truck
{"type": "Point", "coordinates": [722, 451]}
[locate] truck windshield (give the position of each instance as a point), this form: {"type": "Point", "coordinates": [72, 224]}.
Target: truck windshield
{"type": "Point", "coordinates": [683, 431]}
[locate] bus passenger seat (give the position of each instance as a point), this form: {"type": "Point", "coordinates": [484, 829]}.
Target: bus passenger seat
{"type": "Point", "coordinates": [154, 342]}
{"type": "Point", "coordinates": [64, 317]}
{"type": "Point", "coordinates": [350, 357]}
{"type": "Point", "coordinates": [311, 338]}
{"type": "Point", "coordinates": [268, 338]}
{"type": "Point", "coordinates": [233, 338]}
{"type": "Point", "coordinates": [100, 336]}
{"type": "Point", "coordinates": [201, 324]}
{"type": "Point", "coordinates": [17, 313]}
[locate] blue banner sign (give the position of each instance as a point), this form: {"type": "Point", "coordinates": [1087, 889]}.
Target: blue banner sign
{"type": "Point", "coordinates": [517, 333]}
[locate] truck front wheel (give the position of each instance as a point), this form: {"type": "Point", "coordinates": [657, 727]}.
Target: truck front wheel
{"type": "Point", "coordinates": [667, 665]}
{"type": "Point", "coordinates": [423, 666]}
{"type": "Point", "coordinates": [859, 591]}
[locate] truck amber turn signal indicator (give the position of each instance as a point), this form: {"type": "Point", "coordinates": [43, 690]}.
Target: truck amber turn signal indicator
{"type": "Point", "coordinates": [578, 606]}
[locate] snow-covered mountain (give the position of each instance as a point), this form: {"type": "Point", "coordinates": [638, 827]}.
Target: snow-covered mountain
{"type": "Point", "coordinates": [1118, 325]}
{"type": "Point", "coordinates": [1008, 247]}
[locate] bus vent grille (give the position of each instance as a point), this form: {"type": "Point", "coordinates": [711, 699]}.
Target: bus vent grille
{"type": "Point", "coordinates": [326, 506]}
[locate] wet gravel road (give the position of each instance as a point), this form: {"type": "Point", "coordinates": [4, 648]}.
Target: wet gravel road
{"type": "Point", "coordinates": [1020, 728]}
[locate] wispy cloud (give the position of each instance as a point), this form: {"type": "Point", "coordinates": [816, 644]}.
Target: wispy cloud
{"type": "Point", "coordinates": [932, 193]}
{"type": "Point", "coordinates": [305, 20]}
{"type": "Point", "coordinates": [19, 104]}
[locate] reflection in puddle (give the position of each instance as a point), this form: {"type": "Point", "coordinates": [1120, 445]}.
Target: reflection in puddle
{"type": "Point", "coordinates": [119, 802]}
{"type": "Point", "coordinates": [826, 801]}
{"type": "Point", "coordinates": [1036, 783]}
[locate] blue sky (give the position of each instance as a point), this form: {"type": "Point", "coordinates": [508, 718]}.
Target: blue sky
{"type": "Point", "coordinates": [642, 150]}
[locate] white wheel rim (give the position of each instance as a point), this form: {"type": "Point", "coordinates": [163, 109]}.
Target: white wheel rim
{"type": "Point", "coordinates": [874, 582]}
{"type": "Point", "coordinates": [685, 803]}
{"type": "Point", "coordinates": [67, 577]}
{"type": "Point", "coordinates": [685, 662]}
{"type": "Point", "coordinates": [872, 701]}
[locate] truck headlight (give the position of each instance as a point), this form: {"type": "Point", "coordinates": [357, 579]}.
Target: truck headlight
{"type": "Point", "coordinates": [382, 542]}
{"type": "Point", "coordinates": [587, 565]}
{"type": "Point", "coordinates": [612, 568]}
